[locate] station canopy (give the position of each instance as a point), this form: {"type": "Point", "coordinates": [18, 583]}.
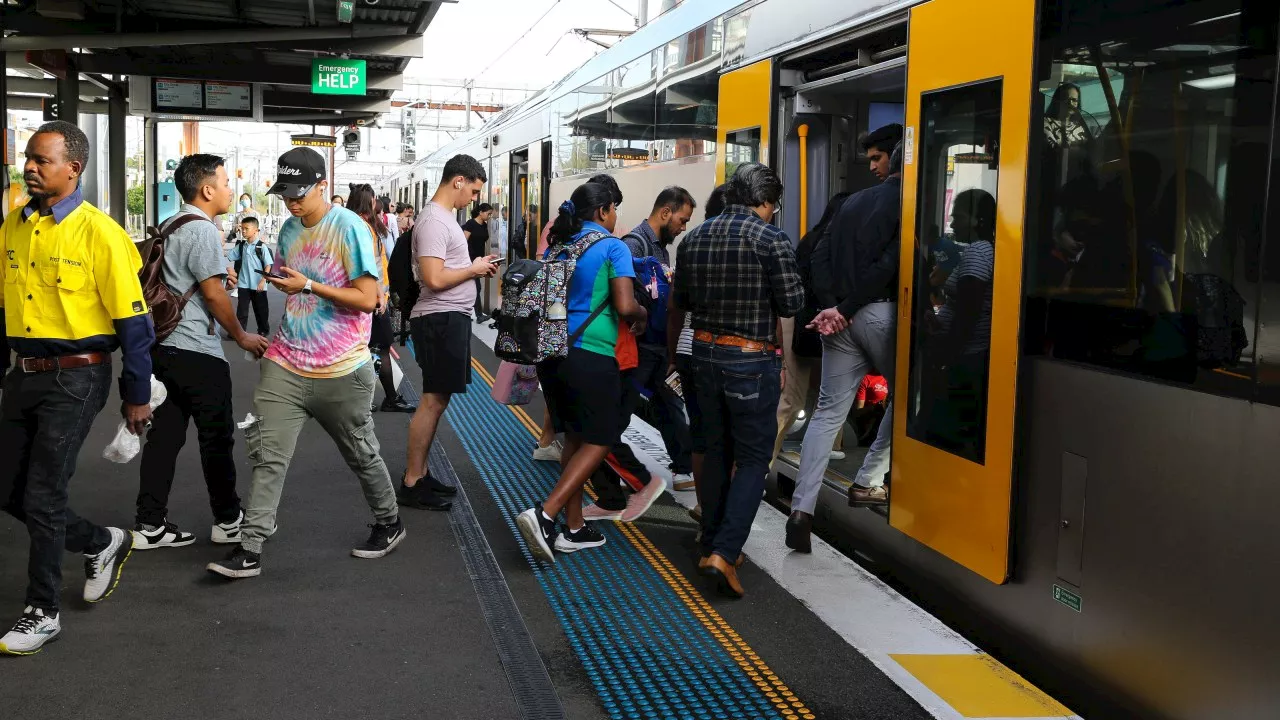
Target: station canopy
{"type": "Point", "coordinates": [271, 43]}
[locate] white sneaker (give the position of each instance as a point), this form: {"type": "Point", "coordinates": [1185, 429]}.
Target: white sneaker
{"type": "Point", "coordinates": [150, 537]}
{"type": "Point", "coordinates": [595, 512]}
{"type": "Point", "coordinates": [838, 455]}
{"type": "Point", "coordinates": [550, 453]}
{"type": "Point", "coordinates": [30, 633]}
{"type": "Point", "coordinates": [682, 482]}
{"type": "Point", "coordinates": [227, 533]}
{"type": "Point", "coordinates": [639, 503]}
{"type": "Point", "coordinates": [538, 532]}
{"type": "Point", "coordinates": [102, 571]}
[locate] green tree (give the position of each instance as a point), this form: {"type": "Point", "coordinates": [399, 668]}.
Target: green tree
{"type": "Point", "coordinates": [136, 200]}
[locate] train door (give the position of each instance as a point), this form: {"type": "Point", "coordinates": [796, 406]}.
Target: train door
{"type": "Point", "coordinates": [745, 113]}
{"type": "Point", "coordinates": [969, 85]}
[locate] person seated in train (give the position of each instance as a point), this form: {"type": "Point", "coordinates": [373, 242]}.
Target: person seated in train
{"type": "Point", "coordinates": [959, 342]}
{"type": "Point", "coordinates": [855, 277]}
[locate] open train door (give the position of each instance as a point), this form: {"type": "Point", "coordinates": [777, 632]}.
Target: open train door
{"type": "Point", "coordinates": [969, 95]}
{"type": "Point", "coordinates": [744, 117]}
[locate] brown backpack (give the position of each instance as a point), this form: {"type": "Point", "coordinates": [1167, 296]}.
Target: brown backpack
{"type": "Point", "coordinates": [166, 305]}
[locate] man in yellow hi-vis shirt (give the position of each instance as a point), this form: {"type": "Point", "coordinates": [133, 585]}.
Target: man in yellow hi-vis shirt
{"type": "Point", "coordinates": [71, 298]}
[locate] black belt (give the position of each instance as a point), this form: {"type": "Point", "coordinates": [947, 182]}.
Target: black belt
{"type": "Point", "coordinates": [887, 298]}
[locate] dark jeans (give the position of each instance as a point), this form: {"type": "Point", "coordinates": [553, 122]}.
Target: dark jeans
{"type": "Point", "coordinates": [199, 388]}
{"type": "Point", "coordinates": [479, 297]}
{"type": "Point", "coordinates": [667, 406]}
{"type": "Point", "coordinates": [738, 395]}
{"type": "Point", "coordinates": [44, 418]}
{"type": "Point", "coordinates": [261, 310]}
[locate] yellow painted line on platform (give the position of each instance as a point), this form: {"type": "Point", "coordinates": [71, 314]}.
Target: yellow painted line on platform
{"type": "Point", "coordinates": [979, 686]}
{"type": "Point", "coordinates": [773, 688]}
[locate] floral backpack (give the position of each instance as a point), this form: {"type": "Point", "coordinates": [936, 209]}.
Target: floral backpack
{"type": "Point", "coordinates": [533, 322]}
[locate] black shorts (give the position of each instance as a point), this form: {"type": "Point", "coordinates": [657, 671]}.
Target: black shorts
{"type": "Point", "coordinates": [442, 346]}
{"type": "Point", "coordinates": [582, 392]}
{"type": "Point", "coordinates": [381, 336]}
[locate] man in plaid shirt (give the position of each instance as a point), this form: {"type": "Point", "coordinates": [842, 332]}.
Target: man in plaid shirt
{"type": "Point", "coordinates": [736, 275]}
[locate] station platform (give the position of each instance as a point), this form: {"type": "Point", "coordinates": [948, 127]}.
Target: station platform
{"type": "Point", "coordinates": [462, 622]}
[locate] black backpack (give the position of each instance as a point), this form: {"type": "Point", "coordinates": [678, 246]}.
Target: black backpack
{"type": "Point", "coordinates": [404, 287]}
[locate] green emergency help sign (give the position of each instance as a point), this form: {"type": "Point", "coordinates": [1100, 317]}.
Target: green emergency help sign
{"type": "Point", "coordinates": [336, 76]}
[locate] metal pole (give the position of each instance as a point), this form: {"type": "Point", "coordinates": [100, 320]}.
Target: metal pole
{"type": "Point", "coordinates": [149, 159]}
{"type": "Point", "coordinates": [468, 106]}
{"type": "Point", "coordinates": [117, 191]}
{"type": "Point", "coordinates": [69, 92]}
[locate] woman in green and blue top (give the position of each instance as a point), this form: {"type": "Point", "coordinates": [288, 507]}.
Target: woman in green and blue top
{"type": "Point", "coordinates": [583, 389]}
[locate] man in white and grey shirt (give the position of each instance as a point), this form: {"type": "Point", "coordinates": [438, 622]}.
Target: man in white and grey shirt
{"type": "Point", "coordinates": [191, 364]}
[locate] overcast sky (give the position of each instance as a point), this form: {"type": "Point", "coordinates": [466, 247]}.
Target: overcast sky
{"type": "Point", "coordinates": [492, 40]}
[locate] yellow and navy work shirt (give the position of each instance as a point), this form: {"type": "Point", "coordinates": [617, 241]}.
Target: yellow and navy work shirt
{"type": "Point", "coordinates": [71, 285]}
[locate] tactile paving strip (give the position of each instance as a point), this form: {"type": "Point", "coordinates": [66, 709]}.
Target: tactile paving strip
{"type": "Point", "coordinates": [652, 646]}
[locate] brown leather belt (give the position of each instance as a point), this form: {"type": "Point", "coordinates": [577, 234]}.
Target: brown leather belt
{"type": "Point", "coordinates": [64, 362]}
{"type": "Point", "coordinates": [733, 341]}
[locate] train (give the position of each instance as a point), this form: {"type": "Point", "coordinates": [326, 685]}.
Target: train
{"type": "Point", "coordinates": [1100, 519]}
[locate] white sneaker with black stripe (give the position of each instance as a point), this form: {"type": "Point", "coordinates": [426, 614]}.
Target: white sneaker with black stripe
{"type": "Point", "coordinates": [227, 533]}
{"type": "Point", "coordinates": [30, 633]}
{"type": "Point", "coordinates": [150, 537]}
{"type": "Point", "coordinates": [539, 533]}
{"type": "Point", "coordinates": [102, 570]}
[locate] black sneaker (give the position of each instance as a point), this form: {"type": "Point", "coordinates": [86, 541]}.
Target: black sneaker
{"type": "Point", "coordinates": [382, 540]}
{"type": "Point", "coordinates": [539, 533]}
{"type": "Point", "coordinates": [239, 564]}
{"type": "Point", "coordinates": [438, 487]}
{"type": "Point", "coordinates": [398, 404]}
{"type": "Point", "coordinates": [420, 497]}
{"type": "Point", "coordinates": [584, 537]}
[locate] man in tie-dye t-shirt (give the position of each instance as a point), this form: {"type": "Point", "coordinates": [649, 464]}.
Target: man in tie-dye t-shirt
{"type": "Point", "coordinates": [318, 365]}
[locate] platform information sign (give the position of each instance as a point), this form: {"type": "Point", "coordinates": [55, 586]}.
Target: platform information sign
{"type": "Point", "coordinates": [338, 76]}
{"type": "Point", "coordinates": [228, 96]}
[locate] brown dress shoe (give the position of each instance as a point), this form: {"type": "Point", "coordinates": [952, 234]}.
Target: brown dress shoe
{"type": "Point", "coordinates": [863, 497]}
{"type": "Point", "coordinates": [742, 558]}
{"type": "Point", "coordinates": [799, 526]}
{"type": "Point", "coordinates": [726, 576]}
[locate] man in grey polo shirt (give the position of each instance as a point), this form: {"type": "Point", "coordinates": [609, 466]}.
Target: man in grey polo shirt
{"type": "Point", "coordinates": [191, 364]}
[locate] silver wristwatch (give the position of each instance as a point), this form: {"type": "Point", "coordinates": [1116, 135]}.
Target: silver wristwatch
{"type": "Point", "coordinates": [306, 289]}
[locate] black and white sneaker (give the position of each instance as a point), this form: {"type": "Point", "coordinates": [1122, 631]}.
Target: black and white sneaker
{"type": "Point", "coordinates": [421, 497]}
{"type": "Point", "coordinates": [239, 564]}
{"type": "Point", "coordinates": [150, 537]}
{"type": "Point", "coordinates": [584, 537]}
{"type": "Point", "coordinates": [30, 633]}
{"type": "Point", "coordinates": [539, 533]}
{"type": "Point", "coordinates": [227, 533]}
{"type": "Point", "coordinates": [102, 570]}
{"type": "Point", "coordinates": [382, 540]}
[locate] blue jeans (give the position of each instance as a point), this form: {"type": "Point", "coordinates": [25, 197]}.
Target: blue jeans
{"type": "Point", "coordinates": [738, 396]}
{"type": "Point", "coordinates": [44, 418]}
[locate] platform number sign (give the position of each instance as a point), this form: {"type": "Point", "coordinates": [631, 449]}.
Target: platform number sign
{"type": "Point", "coordinates": [338, 76]}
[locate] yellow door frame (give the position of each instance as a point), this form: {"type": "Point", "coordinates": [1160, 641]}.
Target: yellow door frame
{"type": "Point", "coordinates": [746, 102]}
{"type": "Point", "coordinates": [953, 505]}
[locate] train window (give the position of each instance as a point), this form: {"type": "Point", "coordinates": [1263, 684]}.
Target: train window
{"type": "Point", "coordinates": [958, 166]}
{"type": "Point", "coordinates": [741, 146]}
{"type": "Point", "coordinates": [688, 95]}
{"type": "Point", "coordinates": [1149, 195]}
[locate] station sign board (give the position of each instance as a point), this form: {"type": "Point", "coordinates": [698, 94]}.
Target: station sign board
{"type": "Point", "coordinates": [192, 99]}
{"type": "Point", "coordinates": [338, 76]}
{"type": "Point", "coordinates": [313, 140]}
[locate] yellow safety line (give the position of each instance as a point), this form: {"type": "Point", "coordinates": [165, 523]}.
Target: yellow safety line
{"type": "Point", "coordinates": [768, 681]}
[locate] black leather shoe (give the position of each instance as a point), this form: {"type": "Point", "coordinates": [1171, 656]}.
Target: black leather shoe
{"type": "Point", "coordinates": [799, 525]}
{"type": "Point", "coordinates": [438, 487]}
{"type": "Point", "coordinates": [398, 404]}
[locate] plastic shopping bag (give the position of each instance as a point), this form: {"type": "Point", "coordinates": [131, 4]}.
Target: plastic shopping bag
{"type": "Point", "coordinates": [514, 384]}
{"type": "Point", "coordinates": [125, 445]}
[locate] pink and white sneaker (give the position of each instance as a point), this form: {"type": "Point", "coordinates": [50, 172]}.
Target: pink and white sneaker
{"type": "Point", "coordinates": [639, 503]}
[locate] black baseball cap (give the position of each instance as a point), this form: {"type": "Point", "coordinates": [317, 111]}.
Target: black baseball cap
{"type": "Point", "coordinates": [297, 172]}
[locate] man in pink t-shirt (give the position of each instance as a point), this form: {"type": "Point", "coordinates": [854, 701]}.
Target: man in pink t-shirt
{"type": "Point", "coordinates": [440, 322]}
